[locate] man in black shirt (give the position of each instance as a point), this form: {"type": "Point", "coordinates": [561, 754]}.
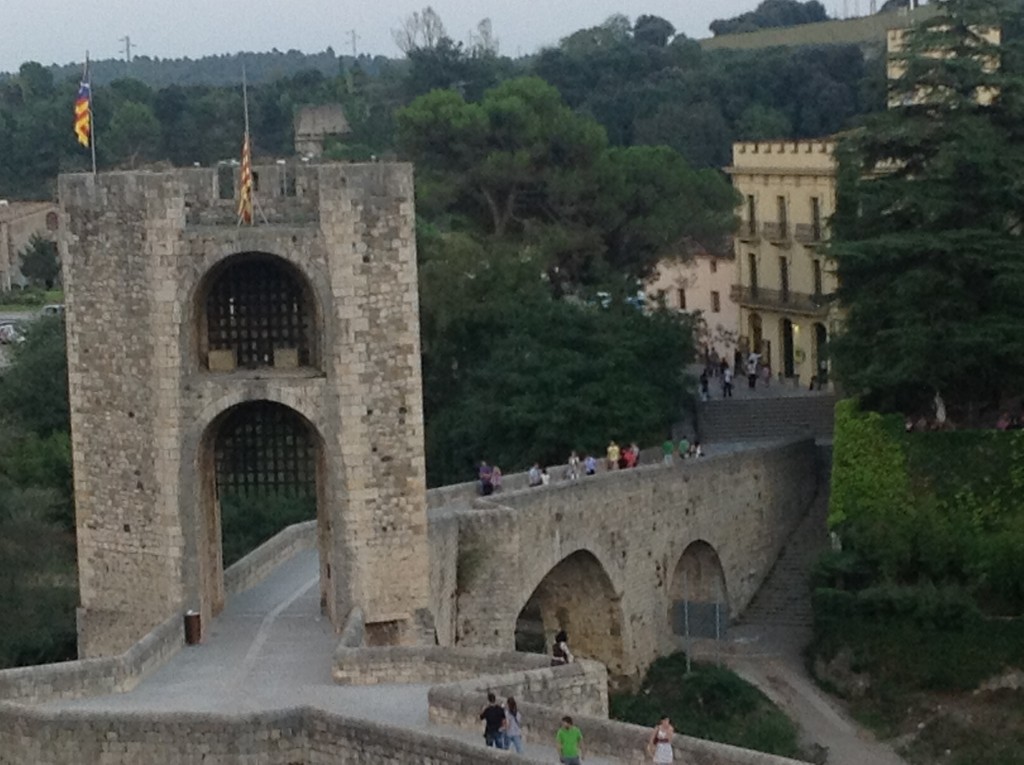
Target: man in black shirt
{"type": "Point", "coordinates": [494, 723]}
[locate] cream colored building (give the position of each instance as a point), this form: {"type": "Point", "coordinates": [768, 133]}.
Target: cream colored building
{"type": "Point", "coordinates": [702, 283]}
{"type": "Point", "coordinates": [785, 286]}
{"type": "Point", "coordinates": [18, 222]}
{"type": "Point", "coordinates": [896, 65]}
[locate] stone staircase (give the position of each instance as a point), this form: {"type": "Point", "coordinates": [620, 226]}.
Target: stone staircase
{"type": "Point", "coordinates": [754, 419]}
{"type": "Point", "coordinates": [784, 599]}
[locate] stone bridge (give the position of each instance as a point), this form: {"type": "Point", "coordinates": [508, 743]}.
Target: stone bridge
{"type": "Point", "coordinates": [611, 558]}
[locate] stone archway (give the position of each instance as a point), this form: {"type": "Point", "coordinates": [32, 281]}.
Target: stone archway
{"type": "Point", "coordinates": [698, 596]}
{"type": "Point", "coordinates": [261, 468]}
{"type": "Point", "coordinates": [256, 310]}
{"type": "Point", "coordinates": [576, 596]}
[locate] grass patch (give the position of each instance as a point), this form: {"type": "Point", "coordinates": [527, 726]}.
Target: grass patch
{"type": "Point", "coordinates": [27, 300]}
{"type": "Point", "coordinates": [711, 703]}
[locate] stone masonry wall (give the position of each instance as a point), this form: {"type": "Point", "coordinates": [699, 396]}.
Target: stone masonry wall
{"type": "Point", "coordinates": [137, 248]}
{"type": "Point", "coordinates": [636, 524]}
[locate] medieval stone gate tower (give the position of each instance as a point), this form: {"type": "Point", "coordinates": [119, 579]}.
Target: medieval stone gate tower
{"type": "Point", "coordinates": [206, 357]}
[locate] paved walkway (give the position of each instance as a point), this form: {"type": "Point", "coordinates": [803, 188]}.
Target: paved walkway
{"type": "Point", "coordinates": [271, 648]}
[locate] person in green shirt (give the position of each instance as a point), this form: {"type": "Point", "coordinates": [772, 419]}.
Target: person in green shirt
{"type": "Point", "coordinates": [570, 743]}
{"type": "Point", "coordinates": [684, 448]}
{"type": "Point", "coordinates": [666, 450]}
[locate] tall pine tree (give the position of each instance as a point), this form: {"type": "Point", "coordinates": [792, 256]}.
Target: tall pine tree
{"type": "Point", "coordinates": [927, 236]}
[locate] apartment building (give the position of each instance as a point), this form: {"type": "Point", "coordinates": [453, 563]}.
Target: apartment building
{"type": "Point", "coordinates": [785, 285]}
{"type": "Point", "coordinates": [701, 282]}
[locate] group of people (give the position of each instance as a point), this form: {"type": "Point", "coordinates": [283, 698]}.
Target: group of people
{"type": "Point", "coordinates": [503, 723]}
{"type": "Point", "coordinates": [616, 458]}
{"type": "Point", "coordinates": [490, 478]}
{"type": "Point", "coordinates": [503, 729]}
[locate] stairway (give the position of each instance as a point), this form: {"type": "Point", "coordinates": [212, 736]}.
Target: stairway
{"type": "Point", "coordinates": [754, 419]}
{"type": "Point", "coordinates": [784, 599]}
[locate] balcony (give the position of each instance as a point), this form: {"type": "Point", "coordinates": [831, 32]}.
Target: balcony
{"type": "Point", "coordinates": [777, 233]}
{"type": "Point", "coordinates": [788, 301]}
{"type": "Point", "coordinates": [808, 233]}
{"type": "Point", "coordinates": [748, 232]}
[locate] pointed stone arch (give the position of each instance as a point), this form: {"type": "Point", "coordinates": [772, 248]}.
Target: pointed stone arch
{"type": "Point", "coordinates": [698, 594]}
{"type": "Point", "coordinates": [577, 596]}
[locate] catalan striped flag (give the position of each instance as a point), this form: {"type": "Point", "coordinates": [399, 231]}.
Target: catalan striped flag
{"type": "Point", "coordinates": [245, 192]}
{"type": "Point", "coordinates": [83, 114]}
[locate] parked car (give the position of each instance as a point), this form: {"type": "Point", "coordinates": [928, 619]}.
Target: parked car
{"type": "Point", "coordinates": [9, 333]}
{"type": "Point", "coordinates": [54, 309]}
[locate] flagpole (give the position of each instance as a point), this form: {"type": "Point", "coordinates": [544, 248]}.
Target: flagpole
{"type": "Point", "coordinates": [92, 115]}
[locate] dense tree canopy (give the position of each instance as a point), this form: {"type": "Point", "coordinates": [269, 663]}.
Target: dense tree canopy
{"type": "Point", "coordinates": [772, 13]}
{"type": "Point", "coordinates": [927, 236]}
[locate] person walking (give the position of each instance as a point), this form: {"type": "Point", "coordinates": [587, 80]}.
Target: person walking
{"type": "Point", "coordinates": [726, 382]}
{"type": "Point", "coordinates": [704, 391]}
{"type": "Point", "coordinates": [513, 726]}
{"type": "Point", "coordinates": [613, 455]}
{"type": "Point", "coordinates": [666, 451]}
{"type": "Point", "coordinates": [496, 478]}
{"type": "Point", "coordinates": [684, 448]}
{"type": "Point", "coordinates": [486, 475]}
{"type": "Point", "coordinates": [560, 653]}
{"type": "Point", "coordinates": [534, 476]}
{"type": "Point", "coordinates": [569, 742]}
{"type": "Point", "coordinates": [574, 466]}
{"type": "Point", "coordinates": [659, 748]}
{"type": "Point", "coordinates": [494, 723]}
{"type": "Point", "coordinates": [752, 360]}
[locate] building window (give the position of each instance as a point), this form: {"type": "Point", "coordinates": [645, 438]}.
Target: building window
{"type": "Point", "coordinates": [51, 221]}
{"type": "Point", "coordinates": [714, 266]}
{"type": "Point", "coordinates": [816, 218]}
{"type": "Point", "coordinates": [751, 215]}
{"type": "Point", "coordinates": [752, 264]}
{"type": "Point", "coordinates": [783, 222]}
{"type": "Point", "coordinates": [716, 303]}
{"type": "Point", "coordinates": [817, 277]}
{"type": "Point", "coordinates": [682, 299]}
{"type": "Point", "coordinates": [784, 279]}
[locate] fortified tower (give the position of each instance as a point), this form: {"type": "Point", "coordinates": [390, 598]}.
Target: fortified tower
{"type": "Point", "coordinates": [206, 358]}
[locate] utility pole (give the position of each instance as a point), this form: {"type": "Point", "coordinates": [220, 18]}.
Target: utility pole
{"type": "Point", "coordinates": [354, 38]}
{"type": "Point", "coordinates": [127, 40]}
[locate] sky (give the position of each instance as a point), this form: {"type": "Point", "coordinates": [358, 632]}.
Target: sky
{"type": "Point", "coordinates": [59, 31]}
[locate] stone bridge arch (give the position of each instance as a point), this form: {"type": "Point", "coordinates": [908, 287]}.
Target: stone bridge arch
{"type": "Point", "coordinates": [698, 593]}
{"type": "Point", "coordinates": [576, 595]}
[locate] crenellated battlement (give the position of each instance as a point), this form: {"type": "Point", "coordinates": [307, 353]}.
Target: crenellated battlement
{"type": "Point", "coordinates": [797, 157]}
{"type": "Point", "coordinates": [285, 193]}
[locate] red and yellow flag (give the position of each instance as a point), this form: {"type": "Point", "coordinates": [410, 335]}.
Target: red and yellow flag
{"type": "Point", "coordinates": [245, 192]}
{"type": "Point", "coordinates": [83, 114]}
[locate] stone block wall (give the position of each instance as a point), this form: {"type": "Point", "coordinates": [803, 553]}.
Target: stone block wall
{"type": "Point", "coordinates": [634, 527]}
{"type": "Point", "coordinates": [139, 250]}
{"type": "Point", "coordinates": [88, 677]}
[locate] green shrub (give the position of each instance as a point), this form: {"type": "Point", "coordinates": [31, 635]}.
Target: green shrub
{"type": "Point", "coordinates": [711, 702]}
{"type": "Point", "coordinates": [248, 519]}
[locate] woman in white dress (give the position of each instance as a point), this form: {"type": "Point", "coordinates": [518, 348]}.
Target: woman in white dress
{"type": "Point", "coordinates": [660, 745]}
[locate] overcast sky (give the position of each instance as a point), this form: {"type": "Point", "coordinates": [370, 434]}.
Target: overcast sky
{"type": "Point", "coordinates": [60, 31]}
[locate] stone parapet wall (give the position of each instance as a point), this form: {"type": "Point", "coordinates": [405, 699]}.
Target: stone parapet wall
{"type": "Point", "coordinates": [286, 737]}
{"type": "Point", "coordinates": [88, 677]}
{"type": "Point", "coordinates": [452, 707]}
{"type": "Point", "coordinates": [469, 674]}
{"type": "Point", "coordinates": [464, 494]}
{"type": "Point", "coordinates": [254, 567]}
